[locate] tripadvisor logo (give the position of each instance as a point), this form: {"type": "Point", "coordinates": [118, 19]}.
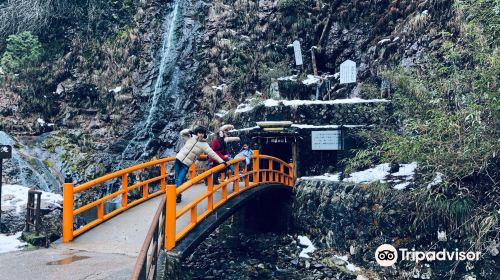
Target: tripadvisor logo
{"type": "Point", "coordinates": [387, 255]}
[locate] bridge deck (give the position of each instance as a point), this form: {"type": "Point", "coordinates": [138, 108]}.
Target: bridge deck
{"type": "Point", "coordinates": [107, 251]}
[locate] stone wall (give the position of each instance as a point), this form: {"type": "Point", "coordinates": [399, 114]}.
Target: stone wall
{"type": "Point", "coordinates": [356, 219]}
{"type": "Point", "coordinates": [317, 114]}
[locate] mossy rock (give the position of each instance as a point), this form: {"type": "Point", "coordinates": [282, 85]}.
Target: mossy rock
{"type": "Point", "coordinates": [33, 238]}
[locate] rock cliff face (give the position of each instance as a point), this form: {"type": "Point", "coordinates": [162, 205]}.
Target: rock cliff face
{"type": "Point", "coordinates": [120, 81]}
{"type": "Point", "coordinates": [121, 90]}
{"type": "Point", "coordinates": [356, 219]}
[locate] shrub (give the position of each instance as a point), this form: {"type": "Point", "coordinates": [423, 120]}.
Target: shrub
{"type": "Point", "coordinates": [448, 113]}
{"type": "Point", "coordinates": [23, 50]}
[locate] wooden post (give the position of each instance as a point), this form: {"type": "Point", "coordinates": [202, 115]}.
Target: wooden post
{"type": "Point", "coordinates": [236, 185]}
{"type": "Point", "coordinates": [192, 170]}
{"type": "Point", "coordinates": [313, 59]}
{"type": "Point", "coordinates": [291, 173]}
{"type": "Point", "coordinates": [256, 168]}
{"type": "Point", "coordinates": [271, 176]}
{"type": "Point", "coordinates": [100, 211]}
{"type": "Point", "coordinates": [210, 190]}
{"type": "Point", "coordinates": [170, 217]}
{"type": "Point", "coordinates": [124, 190]}
{"type": "Point", "coordinates": [163, 173]}
{"type": "Point", "coordinates": [68, 201]}
{"type": "Point", "coordinates": [282, 176]}
{"type": "Point", "coordinates": [247, 176]}
{"type": "Point", "coordinates": [145, 190]}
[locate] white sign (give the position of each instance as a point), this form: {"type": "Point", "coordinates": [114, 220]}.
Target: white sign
{"type": "Point", "coordinates": [348, 72]}
{"type": "Point", "coordinates": [298, 52]}
{"type": "Point", "coordinates": [326, 140]}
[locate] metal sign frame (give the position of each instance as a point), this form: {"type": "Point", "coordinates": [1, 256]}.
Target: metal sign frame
{"type": "Point", "coordinates": [348, 72]}
{"type": "Point", "coordinates": [326, 136]}
{"type": "Point", "coordinates": [5, 153]}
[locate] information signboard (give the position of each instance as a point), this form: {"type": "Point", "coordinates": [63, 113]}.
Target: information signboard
{"type": "Point", "coordinates": [5, 151]}
{"type": "Point", "coordinates": [298, 53]}
{"type": "Point", "coordinates": [348, 72]}
{"type": "Point", "coordinates": [326, 140]}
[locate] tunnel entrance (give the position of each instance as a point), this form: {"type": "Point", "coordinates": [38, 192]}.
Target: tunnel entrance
{"type": "Point", "coordinates": [280, 150]}
{"type": "Point", "coordinates": [269, 212]}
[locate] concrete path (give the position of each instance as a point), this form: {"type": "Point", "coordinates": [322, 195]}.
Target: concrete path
{"type": "Point", "coordinates": [107, 251]}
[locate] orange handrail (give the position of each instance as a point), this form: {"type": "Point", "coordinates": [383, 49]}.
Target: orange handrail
{"type": "Point", "coordinates": [69, 191]}
{"type": "Point", "coordinates": [259, 177]}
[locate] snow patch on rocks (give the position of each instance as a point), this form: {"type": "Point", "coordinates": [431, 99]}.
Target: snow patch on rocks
{"type": "Point", "coordinates": [377, 173]}
{"type": "Point", "coordinates": [16, 196]}
{"type": "Point", "coordinates": [9, 243]}
{"type": "Point", "coordinates": [294, 103]}
{"type": "Point", "coordinates": [304, 240]}
{"type": "Point", "coordinates": [327, 176]}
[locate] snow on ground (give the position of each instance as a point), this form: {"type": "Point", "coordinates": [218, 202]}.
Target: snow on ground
{"type": "Point", "coordinates": [351, 267]}
{"type": "Point", "coordinates": [17, 196]}
{"type": "Point", "coordinates": [326, 176]}
{"type": "Point", "coordinates": [288, 78]}
{"type": "Point", "coordinates": [377, 173]}
{"type": "Point", "coordinates": [302, 126]}
{"type": "Point", "coordinates": [437, 180]}
{"type": "Point", "coordinates": [9, 243]}
{"type": "Point", "coordinates": [311, 79]}
{"type": "Point", "coordinates": [272, 102]}
{"type": "Point", "coordinates": [304, 240]}
{"type": "Point", "coordinates": [406, 170]}
{"type": "Point", "coordinates": [243, 108]}
{"type": "Point", "coordinates": [221, 113]}
{"type": "Point", "coordinates": [315, 126]}
{"type": "Point", "coordinates": [116, 89]}
{"type": "Point", "coordinates": [383, 41]}
{"type": "Point", "coordinates": [401, 186]}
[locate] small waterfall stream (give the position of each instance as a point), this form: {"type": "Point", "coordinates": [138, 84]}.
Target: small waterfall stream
{"type": "Point", "coordinates": [144, 132]}
{"type": "Point", "coordinates": [26, 170]}
{"type": "Point", "coordinates": [163, 90]}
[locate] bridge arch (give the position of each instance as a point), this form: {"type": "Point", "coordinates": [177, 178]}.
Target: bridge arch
{"type": "Point", "coordinates": [265, 173]}
{"type": "Point", "coordinates": [196, 236]}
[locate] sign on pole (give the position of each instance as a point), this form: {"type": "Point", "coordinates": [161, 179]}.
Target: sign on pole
{"type": "Point", "coordinates": [326, 140]}
{"type": "Point", "coordinates": [5, 152]}
{"type": "Point", "coordinates": [298, 53]}
{"type": "Point", "coordinates": [348, 72]}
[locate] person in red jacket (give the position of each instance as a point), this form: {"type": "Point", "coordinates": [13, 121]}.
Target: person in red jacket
{"type": "Point", "coordinates": [219, 145]}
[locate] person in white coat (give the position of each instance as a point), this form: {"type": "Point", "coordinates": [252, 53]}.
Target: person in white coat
{"type": "Point", "coordinates": [195, 145]}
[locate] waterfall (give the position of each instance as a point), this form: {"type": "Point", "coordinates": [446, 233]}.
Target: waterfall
{"type": "Point", "coordinates": [167, 74]}
{"type": "Point", "coordinates": [167, 61]}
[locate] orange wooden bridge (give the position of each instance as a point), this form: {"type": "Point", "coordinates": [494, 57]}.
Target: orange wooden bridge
{"type": "Point", "coordinates": [171, 223]}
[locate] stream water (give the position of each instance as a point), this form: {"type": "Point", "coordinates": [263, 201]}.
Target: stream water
{"type": "Point", "coordinates": [26, 169]}
{"type": "Point", "coordinates": [165, 86]}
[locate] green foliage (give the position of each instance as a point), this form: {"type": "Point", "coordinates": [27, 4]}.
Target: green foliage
{"type": "Point", "coordinates": [48, 163]}
{"type": "Point", "coordinates": [448, 115]}
{"type": "Point", "coordinates": [436, 211]}
{"type": "Point", "coordinates": [23, 50]}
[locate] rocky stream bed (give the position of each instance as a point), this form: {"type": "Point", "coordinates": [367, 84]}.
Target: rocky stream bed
{"type": "Point", "coordinates": [228, 254]}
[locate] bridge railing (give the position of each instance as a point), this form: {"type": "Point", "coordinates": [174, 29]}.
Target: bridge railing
{"type": "Point", "coordinates": [120, 177]}
{"type": "Point", "coordinates": [151, 187]}
{"type": "Point", "coordinates": [265, 169]}
{"type": "Point", "coordinates": [145, 267]}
